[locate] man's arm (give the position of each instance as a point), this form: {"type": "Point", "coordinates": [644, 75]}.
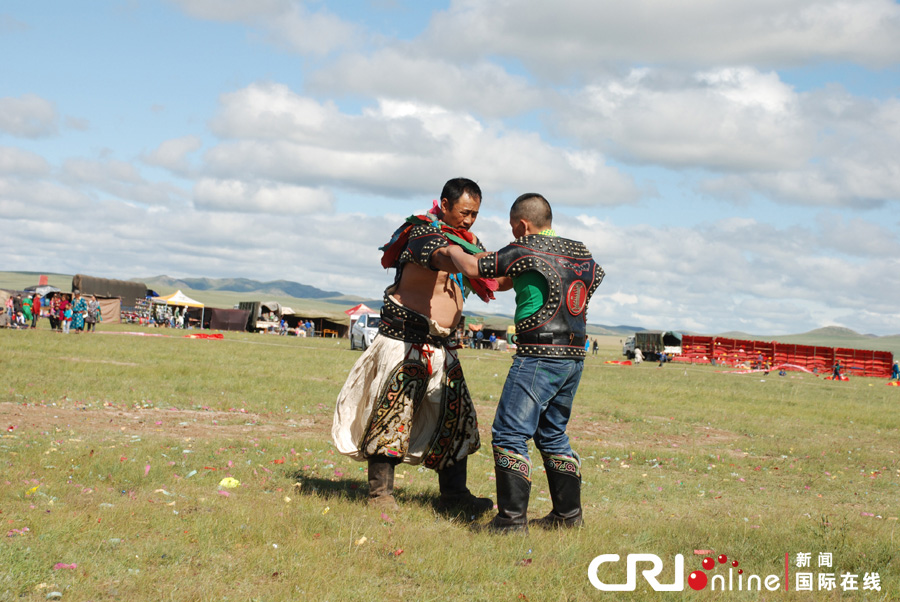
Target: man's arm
{"type": "Point", "coordinates": [468, 265]}
{"type": "Point", "coordinates": [462, 261]}
{"type": "Point", "coordinates": [440, 260]}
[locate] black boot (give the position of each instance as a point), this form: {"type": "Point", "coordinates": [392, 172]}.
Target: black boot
{"type": "Point", "coordinates": [564, 478]}
{"type": "Point", "coordinates": [381, 482]}
{"type": "Point", "coordinates": [513, 489]}
{"type": "Point", "coordinates": [455, 496]}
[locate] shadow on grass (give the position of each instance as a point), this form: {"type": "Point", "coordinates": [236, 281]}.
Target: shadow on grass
{"type": "Point", "coordinates": [357, 491]}
{"type": "Point", "coordinates": [352, 490]}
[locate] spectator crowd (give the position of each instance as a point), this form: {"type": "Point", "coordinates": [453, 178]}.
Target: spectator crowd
{"type": "Point", "coordinates": [66, 312]}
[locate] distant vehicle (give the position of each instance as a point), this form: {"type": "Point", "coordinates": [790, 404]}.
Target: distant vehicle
{"type": "Point", "coordinates": [652, 343]}
{"type": "Point", "coordinates": [363, 331]}
{"type": "Point", "coordinates": [628, 347]}
{"type": "Point", "coordinates": [264, 316]}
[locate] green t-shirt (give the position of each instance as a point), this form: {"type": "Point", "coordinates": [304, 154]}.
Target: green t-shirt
{"type": "Point", "coordinates": [531, 290]}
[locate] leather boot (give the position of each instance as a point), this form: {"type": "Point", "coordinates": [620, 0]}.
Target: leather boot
{"type": "Point", "coordinates": [381, 483]}
{"type": "Point", "coordinates": [513, 474]}
{"type": "Point", "coordinates": [455, 496]}
{"type": "Point", "coordinates": [564, 479]}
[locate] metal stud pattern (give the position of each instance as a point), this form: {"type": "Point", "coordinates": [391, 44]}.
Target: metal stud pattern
{"type": "Point", "coordinates": [402, 324]}
{"type": "Point", "coordinates": [424, 240]}
{"type": "Point", "coordinates": [560, 261]}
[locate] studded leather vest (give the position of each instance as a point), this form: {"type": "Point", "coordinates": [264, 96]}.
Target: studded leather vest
{"type": "Point", "coordinates": [557, 329]}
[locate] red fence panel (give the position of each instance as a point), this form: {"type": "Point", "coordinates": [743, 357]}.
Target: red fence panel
{"type": "Point", "coordinates": [821, 360]}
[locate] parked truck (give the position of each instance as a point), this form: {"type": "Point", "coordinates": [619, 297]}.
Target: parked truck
{"type": "Point", "coordinates": [652, 343]}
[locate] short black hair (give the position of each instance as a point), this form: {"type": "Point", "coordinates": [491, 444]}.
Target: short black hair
{"type": "Point", "coordinates": [534, 208]}
{"type": "Point", "coordinates": [457, 187]}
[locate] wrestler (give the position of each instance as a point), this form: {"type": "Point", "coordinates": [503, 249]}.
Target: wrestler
{"type": "Point", "coordinates": [405, 399]}
{"type": "Point", "coordinates": [554, 279]}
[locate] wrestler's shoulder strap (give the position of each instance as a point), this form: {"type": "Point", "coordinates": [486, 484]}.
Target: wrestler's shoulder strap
{"type": "Point", "coordinates": [424, 239]}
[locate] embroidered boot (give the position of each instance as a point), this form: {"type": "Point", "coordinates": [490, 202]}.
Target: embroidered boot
{"type": "Point", "coordinates": [455, 496]}
{"type": "Point", "coordinates": [513, 473]}
{"type": "Point", "coordinates": [381, 483]}
{"type": "Point", "coordinates": [564, 479]}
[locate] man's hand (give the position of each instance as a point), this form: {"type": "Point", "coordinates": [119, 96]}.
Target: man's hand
{"type": "Point", "coordinates": [504, 283]}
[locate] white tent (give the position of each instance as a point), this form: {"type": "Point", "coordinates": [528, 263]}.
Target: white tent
{"type": "Point", "coordinates": [180, 299]}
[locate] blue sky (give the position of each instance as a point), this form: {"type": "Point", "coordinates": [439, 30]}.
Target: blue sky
{"type": "Point", "coordinates": [733, 166]}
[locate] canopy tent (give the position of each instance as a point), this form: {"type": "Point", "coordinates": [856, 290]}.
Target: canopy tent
{"type": "Point", "coordinates": [180, 299]}
{"type": "Point", "coordinates": [42, 289]}
{"type": "Point", "coordinates": [358, 310]}
{"type": "Point", "coordinates": [177, 298]}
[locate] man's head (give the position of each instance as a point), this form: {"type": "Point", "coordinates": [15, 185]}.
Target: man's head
{"type": "Point", "coordinates": [460, 202]}
{"type": "Point", "coordinates": [529, 214]}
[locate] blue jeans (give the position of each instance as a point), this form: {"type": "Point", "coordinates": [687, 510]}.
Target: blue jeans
{"type": "Point", "coordinates": [536, 403]}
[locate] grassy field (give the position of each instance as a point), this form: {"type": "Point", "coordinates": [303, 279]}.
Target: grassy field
{"type": "Point", "coordinates": [115, 448]}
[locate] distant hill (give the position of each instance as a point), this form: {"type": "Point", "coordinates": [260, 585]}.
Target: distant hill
{"type": "Point", "coordinates": [829, 333]}
{"type": "Point", "coordinates": [225, 292]}
{"type": "Point", "coordinates": [275, 288]}
{"type": "Point", "coordinates": [617, 331]}
{"type": "Point", "coordinates": [828, 336]}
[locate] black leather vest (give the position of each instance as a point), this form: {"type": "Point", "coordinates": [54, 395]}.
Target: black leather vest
{"type": "Point", "coordinates": [557, 329]}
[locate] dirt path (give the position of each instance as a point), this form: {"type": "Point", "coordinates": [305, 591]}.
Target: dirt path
{"type": "Point", "coordinates": [208, 424]}
{"type": "Point", "coordinates": [198, 424]}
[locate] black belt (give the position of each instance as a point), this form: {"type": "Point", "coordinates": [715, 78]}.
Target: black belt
{"type": "Point", "coordinates": [411, 331]}
{"type": "Point", "coordinates": [549, 338]}
{"type": "Point", "coordinates": [403, 324]}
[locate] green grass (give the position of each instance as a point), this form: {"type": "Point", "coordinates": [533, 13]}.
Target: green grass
{"type": "Point", "coordinates": [676, 459]}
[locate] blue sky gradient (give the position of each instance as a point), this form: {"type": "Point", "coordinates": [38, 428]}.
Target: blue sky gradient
{"type": "Point", "coordinates": [733, 166]}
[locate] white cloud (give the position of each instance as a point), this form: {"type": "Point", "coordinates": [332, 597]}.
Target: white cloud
{"type": "Point", "coordinates": [396, 148]}
{"type": "Point", "coordinates": [408, 73]}
{"type": "Point", "coordinates": [121, 179]}
{"type": "Point", "coordinates": [172, 154]}
{"type": "Point", "coordinates": [821, 148]}
{"type": "Point", "coordinates": [20, 198]}
{"type": "Point", "coordinates": [337, 252]}
{"type": "Point", "coordinates": [561, 40]}
{"type": "Point", "coordinates": [22, 163]}
{"type": "Point", "coordinates": [268, 111]}
{"type": "Point", "coordinates": [96, 172]}
{"type": "Point", "coordinates": [234, 195]}
{"type": "Point", "coordinates": [234, 10]}
{"type": "Point", "coordinates": [735, 274]}
{"type": "Point", "coordinates": [311, 33]}
{"type": "Point", "coordinates": [28, 116]}
{"type": "Point", "coordinates": [285, 23]}
{"type": "Point", "coordinates": [728, 119]}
